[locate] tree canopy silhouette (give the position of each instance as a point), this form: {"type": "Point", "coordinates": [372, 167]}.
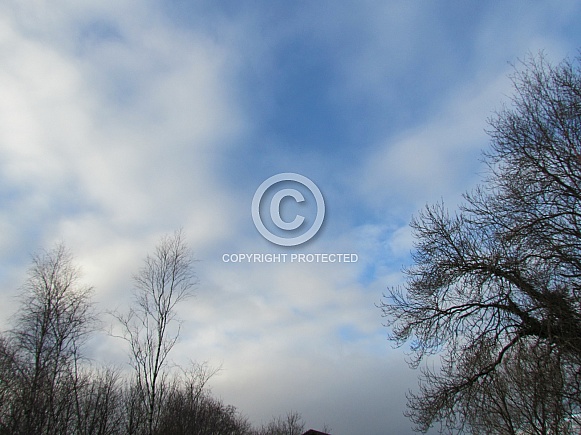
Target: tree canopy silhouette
{"type": "Point", "coordinates": [497, 284]}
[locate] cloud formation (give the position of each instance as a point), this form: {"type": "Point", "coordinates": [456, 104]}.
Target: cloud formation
{"type": "Point", "coordinates": [121, 122]}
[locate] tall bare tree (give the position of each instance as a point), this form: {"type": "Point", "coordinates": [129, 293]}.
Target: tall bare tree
{"type": "Point", "coordinates": [151, 327]}
{"type": "Point", "coordinates": [502, 277]}
{"type": "Point", "coordinates": [53, 322]}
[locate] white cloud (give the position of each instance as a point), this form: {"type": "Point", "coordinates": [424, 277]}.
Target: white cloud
{"type": "Point", "coordinates": [137, 165]}
{"type": "Point", "coordinates": [436, 159]}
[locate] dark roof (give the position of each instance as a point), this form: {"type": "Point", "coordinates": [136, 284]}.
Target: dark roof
{"type": "Point", "coordinates": [314, 432]}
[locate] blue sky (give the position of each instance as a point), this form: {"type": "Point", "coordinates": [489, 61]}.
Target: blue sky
{"type": "Point", "coordinates": [122, 121]}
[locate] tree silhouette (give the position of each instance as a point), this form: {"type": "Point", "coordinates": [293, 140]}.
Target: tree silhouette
{"type": "Point", "coordinates": [500, 280]}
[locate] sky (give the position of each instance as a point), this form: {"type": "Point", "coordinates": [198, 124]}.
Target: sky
{"type": "Point", "coordinates": [122, 121]}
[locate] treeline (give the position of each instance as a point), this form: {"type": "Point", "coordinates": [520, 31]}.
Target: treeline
{"type": "Point", "coordinates": [48, 386]}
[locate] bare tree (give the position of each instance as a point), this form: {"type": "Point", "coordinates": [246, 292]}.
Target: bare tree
{"type": "Point", "coordinates": [9, 385]}
{"type": "Point", "coordinates": [291, 424]}
{"type": "Point", "coordinates": [524, 396]}
{"type": "Point", "coordinates": [503, 276]}
{"type": "Point", "coordinates": [99, 402]}
{"type": "Point", "coordinates": [190, 409]}
{"type": "Point", "coordinates": [151, 327]}
{"type": "Point", "coordinates": [48, 387]}
{"type": "Point", "coordinates": [53, 322]}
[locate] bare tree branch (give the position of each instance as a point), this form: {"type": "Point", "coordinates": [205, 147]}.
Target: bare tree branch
{"type": "Point", "coordinates": [502, 277]}
{"type": "Point", "coordinates": [151, 327]}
